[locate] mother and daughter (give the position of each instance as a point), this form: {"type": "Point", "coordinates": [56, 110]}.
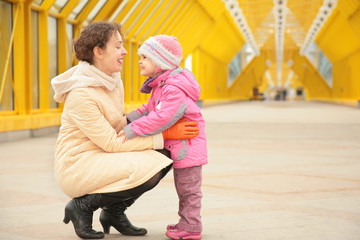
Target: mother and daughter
{"type": "Point", "coordinates": [107, 159]}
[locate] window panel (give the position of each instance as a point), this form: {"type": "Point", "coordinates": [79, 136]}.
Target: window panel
{"type": "Point", "coordinates": [241, 59]}
{"type": "Point", "coordinates": [58, 5]}
{"type": "Point", "coordinates": [325, 68]}
{"type": "Point", "coordinates": [311, 53]}
{"type": "Point", "coordinates": [7, 97]}
{"type": "Point", "coordinates": [52, 41]}
{"type": "Point", "coordinates": [34, 61]}
{"type": "Point", "coordinates": [69, 45]}
{"type": "Point", "coordinates": [188, 62]}
{"type": "Point", "coordinates": [95, 11]}
{"type": "Point", "coordinates": [78, 9]}
{"type": "Point", "coordinates": [234, 67]}
{"type": "Point", "coordinates": [38, 2]}
{"type": "Point", "coordinates": [320, 61]}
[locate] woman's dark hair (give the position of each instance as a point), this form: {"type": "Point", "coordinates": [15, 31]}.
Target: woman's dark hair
{"type": "Point", "coordinates": [95, 34]}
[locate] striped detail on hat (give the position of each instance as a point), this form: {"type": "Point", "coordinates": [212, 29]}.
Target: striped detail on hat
{"type": "Point", "coordinates": [159, 55]}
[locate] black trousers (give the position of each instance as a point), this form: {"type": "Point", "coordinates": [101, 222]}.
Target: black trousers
{"type": "Point", "coordinates": [148, 185]}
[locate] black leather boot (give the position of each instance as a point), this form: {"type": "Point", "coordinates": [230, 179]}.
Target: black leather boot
{"type": "Point", "coordinates": [80, 212]}
{"type": "Point", "coordinates": [114, 216]}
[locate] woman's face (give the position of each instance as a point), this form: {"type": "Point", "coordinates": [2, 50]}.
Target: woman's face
{"type": "Point", "coordinates": [147, 68]}
{"type": "Point", "coordinates": [111, 58]}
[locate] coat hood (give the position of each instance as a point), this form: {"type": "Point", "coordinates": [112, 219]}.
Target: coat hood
{"type": "Point", "coordinates": [80, 76]}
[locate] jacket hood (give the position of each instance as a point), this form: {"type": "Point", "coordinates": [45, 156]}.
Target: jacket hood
{"type": "Point", "coordinates": [80, 76]}
{"type": "Point", "coordinates": [186, 81]}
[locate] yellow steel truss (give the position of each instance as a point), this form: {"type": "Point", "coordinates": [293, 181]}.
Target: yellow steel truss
{"type": "Point", "coordinates": [207, 32]}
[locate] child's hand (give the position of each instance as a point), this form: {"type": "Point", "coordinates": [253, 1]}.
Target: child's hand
{"type": "Point", "coordinates": [122, 134]}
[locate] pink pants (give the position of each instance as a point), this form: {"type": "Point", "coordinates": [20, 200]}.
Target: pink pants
{"type": "Point", "coordinates": [188, 187]}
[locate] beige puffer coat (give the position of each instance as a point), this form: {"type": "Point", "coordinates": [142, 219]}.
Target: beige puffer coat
{"type": "Point", "coordinates": [89, 156]}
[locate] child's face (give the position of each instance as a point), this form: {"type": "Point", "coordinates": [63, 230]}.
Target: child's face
{"type": "Point", "coordinates": [147, 68]}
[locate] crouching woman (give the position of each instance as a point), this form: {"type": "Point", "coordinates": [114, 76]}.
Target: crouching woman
{"type": "Point", "coordinates": [93, 164]}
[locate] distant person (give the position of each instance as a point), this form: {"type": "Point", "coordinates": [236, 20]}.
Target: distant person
{"type": "Point", "coordinates": [174, 93]}
{"type": "Point", "coordinates": [93, 165]}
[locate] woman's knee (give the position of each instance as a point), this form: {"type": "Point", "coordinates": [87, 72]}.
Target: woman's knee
{"type": "Point", "coordinates": [164, 152]}
{"type": "Point", "coordinates": [151, 183]}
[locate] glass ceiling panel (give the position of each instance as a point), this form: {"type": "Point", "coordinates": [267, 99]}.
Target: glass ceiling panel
{"type": "Point", "coordinates": [95, 11]}
{"type": "Point", "coordinates": [78, 9]}
{"type": "Point", "coordinates": [38, 2]}
{"type": "Point", "coordinates": [58, 5]}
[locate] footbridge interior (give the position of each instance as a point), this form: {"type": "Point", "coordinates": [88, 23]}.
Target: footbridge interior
{"type": "Point", "coordinates": [239, 50]}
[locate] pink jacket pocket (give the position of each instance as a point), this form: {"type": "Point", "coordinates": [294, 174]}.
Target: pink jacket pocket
{"type": "Point", "coordinates": [177, 148]}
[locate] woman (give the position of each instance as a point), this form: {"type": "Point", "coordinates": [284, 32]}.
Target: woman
{"type": "Point", "coordinates": [93, 163]}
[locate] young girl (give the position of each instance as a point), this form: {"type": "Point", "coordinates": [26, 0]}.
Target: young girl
{"type": "Point", "coordinates": [174, 93]}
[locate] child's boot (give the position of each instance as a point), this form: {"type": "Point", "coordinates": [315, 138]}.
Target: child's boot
{"type": "Point", "coordinates": [171, 227]}
{"type": "Point", "coordinates": [181, 234]}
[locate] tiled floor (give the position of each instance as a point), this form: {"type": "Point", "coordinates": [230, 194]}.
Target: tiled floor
{"type": "Point", "coordinates": [277, 170]}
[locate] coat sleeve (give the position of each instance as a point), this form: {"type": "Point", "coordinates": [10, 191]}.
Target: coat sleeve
{"type": "Point", "coordinates": [138, 113]}
{"type": "Point", "coordinates": [168, 111]}
{"type": "Point", "coordinates": [144, 109]}
{"type": "Point", "coordinates": [88, 118]}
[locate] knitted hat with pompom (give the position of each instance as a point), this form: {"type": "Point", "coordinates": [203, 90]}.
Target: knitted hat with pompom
{"type": "Point", "coordinates": [162, 50]}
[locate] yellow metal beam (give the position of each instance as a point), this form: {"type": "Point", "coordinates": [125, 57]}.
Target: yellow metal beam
{"type": "Point", "coordinates": [189, 19]}
{"type": "Point", "coordinates": [127, 77]}
{"type": "Point", "coordinates": [140, 16]}
{"type": "Point", "coordinates": [223, 40]}
{"type": "Point", "coordinates": [345, 57]}
{"type": "Point", "coordinates": [172, 26]}
{"type": "Point", "coordinates": [168, 15]}
{"type": "Point", "coordinates": [43, 61]}
{"type": "Point", "coordinates": [126, 12]}
{"type": "Point", "coordinates": [7, 61]}
{"type": "Point", "coordinates": [107, 10]}
{"type": "Point", "coordinates": [146, 18]}
{"type": "Point", "coordinates": [135, 72]}
{"type": "Point", "coordinates": [250, 77]}
{"type": "Point", "coordinates": [351, 10]}
{"type": "Point", "coordinates": [170, 21]}
{"type": "Point", "coordinates": [195, 31]}
{"type": "Point", "coordinates": [25, 122]}
{"type": "Point", "coordinates": [19, 61]}
{"type": "Point", "coordinates": [86, 10]}
{"type": "Point", "coordinates": [46, 4]}
{"type": "Point", "coordinates": [62, 45]}
{"type": "Point", "coordinates": [82, 17]}
{"type": "Point", "coordinates": [70, 5]}
{"type": "Point", "coordinates": [315, 86]}
{"type": "Point", "coordinates": [133, 15]}
{"type": "Point", "coordinates": [155, 21]}
{"type": "Point", "coordinates": [329, 38]}
{"type": "Point", "coordinates": [28, 59]}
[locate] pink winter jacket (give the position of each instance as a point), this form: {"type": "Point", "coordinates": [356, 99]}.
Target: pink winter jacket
{"type": "Point", "coordinates": [174, 96]}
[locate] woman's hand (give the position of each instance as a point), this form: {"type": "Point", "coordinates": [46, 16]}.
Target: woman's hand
{"type": "Point", "coordinates": [183, 129]}
{"type": "Point", "coordinates": [122, 134]}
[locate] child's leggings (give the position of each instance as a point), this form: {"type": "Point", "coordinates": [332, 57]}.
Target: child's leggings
{"type": "Point", "coordinates": [188, 187]}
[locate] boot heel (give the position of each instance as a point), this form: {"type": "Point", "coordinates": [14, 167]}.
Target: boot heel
{"type": "Point", "coordinates": [105, 220]}
{"type": "Point", "coordinates": [106, 227]}
{"type": "Point", "coordinates": [66, 218]}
